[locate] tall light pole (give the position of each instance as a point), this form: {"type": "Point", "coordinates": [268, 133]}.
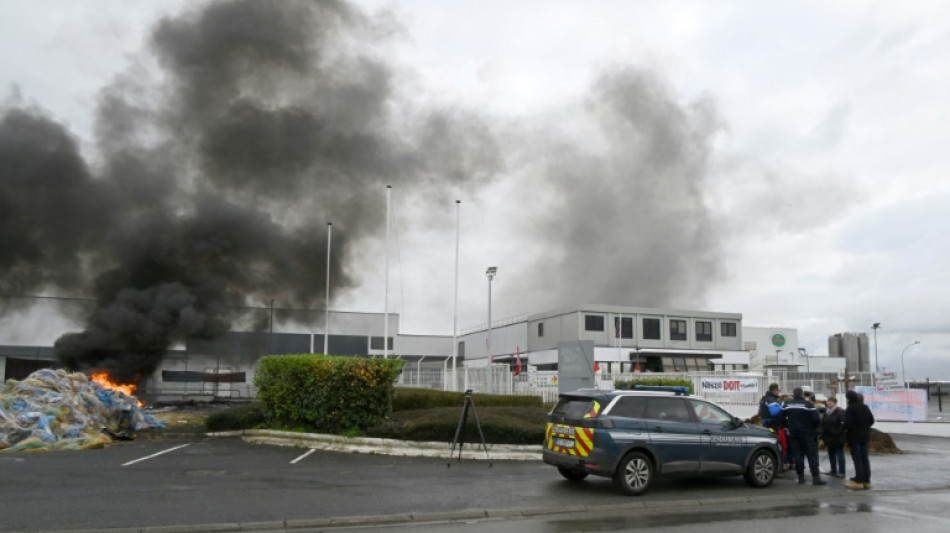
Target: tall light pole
{"type": "Point", "coordinates": [876, 326]}
{"type": "Point", "coordinates": [326, 326]}
{"type": "Point", "coordinates": [389, 192]}
{"type": "Point", "coordinates": [491, 274]}
{"type": "Point", "coordinates": [455, 313]}
{"type": "Point", "coordinates": [903, 375]}
{"type": "Point", "coordinates": [804, 353]}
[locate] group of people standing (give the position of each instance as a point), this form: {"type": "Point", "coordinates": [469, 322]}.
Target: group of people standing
{"type": "Point", "coordinates": [799, 425]}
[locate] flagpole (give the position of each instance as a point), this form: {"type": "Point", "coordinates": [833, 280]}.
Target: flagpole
{"type": "Point", "coordinates": [326, 327]}
{"type": "Point", "coordinates": [455, 313]}
{"type": "Point", "coordinates": [620, 339]}
{"type": "Point", "coordinates": [389, 190]}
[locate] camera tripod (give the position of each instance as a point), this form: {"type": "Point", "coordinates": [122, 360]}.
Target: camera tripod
{"type": "Point", "coordinates": [467, 404]}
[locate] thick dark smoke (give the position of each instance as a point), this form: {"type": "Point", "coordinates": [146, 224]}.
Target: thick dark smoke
{"type": "Point", "coordinates": [625, 220]}
{"type": "Point", "coordinates": [210, 184]}
{"type": "Point", "coordinates": [214, 186]}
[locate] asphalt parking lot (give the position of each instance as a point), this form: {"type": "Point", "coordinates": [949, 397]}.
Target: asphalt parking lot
{"type": "Point", "coordinates": [205, 484]}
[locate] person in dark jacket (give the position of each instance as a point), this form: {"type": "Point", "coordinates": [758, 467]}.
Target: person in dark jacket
{"type": "Point", "coordinates": [832, 433]}
{"type": "Point", "coordinates": [858, 420]}
{"type": "Point", "coordinates": [802, 420]}
{"type": "Point", "coordinates": [770, 412]}
{"type": "Point", "coordinates": [771, 398]}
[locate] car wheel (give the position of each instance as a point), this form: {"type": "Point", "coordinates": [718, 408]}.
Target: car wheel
{"type": "Point", "coordinates": [634, 474]}
{"type": "Point", "coordinates": [571, 474]}
{"type": "Point", "coordinates": [761, 470]}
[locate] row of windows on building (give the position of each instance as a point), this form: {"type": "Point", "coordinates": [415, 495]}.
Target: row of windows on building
{"type": "Point", "coordinates": [652, 328]}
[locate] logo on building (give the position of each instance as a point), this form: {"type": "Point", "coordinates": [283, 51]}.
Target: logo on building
{"type": "Point", "coordinates": [778, 340]}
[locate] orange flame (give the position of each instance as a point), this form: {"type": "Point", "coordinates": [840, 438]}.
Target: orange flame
{"type": "Point", "coordinates": [103, 379]}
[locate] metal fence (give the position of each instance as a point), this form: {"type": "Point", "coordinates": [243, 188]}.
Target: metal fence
{"type": "Point", "coordinates": [937, 397]}
{"type": "Point", "coordinates": [743, 404]}
{"type": "Point", "coordinates": [439, 376]}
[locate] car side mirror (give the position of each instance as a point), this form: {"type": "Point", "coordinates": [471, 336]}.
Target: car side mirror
{"type": "Point", "coordinates": [737, 422]}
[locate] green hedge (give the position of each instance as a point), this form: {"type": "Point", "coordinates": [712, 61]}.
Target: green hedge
{"type": "Point", "coordinates": [408, 399]}
{"type": "Point", "coordinates": [326, 393]}
{"type": "Point", "coordinates": [508, 425]}
{"type": "Point", "coordinates": [650, 381]}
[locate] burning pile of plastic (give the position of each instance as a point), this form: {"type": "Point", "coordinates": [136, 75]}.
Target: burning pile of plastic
{"type": "Point", "coordinates": [58, 410]}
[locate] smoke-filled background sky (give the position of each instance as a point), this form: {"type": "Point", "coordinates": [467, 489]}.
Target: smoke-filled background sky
{"type": "Point", "coordinates": [174, 160]}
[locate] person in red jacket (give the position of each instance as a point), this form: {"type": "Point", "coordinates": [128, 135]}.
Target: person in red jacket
{"type": "Point", "coordinates": [858, 420]}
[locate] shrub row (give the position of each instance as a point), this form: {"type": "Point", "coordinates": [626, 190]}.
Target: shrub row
{"type": "Point", "coordinates": [651, 381]}
{"type": "Point", "coordinates": [408, 399]}
{"type": "Point", "coordinates": [507, 425]}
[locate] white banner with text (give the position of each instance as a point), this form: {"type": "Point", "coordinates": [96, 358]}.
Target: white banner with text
{"type": "Point", "coordinates": [736, 385]}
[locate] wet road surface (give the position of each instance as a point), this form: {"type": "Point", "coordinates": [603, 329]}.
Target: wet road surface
{"type": "Point", "coordinates": [208, 484]}
{"type": "Point", "coordinates": [890, 513]}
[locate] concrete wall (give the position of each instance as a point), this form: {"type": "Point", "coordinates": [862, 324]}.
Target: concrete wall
{"type": "Point", "coordinates": [505, 340]}
{"type": "Point", "coordinates": [427, 345]}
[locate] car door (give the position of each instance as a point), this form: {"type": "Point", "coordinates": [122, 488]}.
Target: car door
{"type": "Point", "coordinates": [630, 429]}
{"type": "Point", "coordinates": [674, 435]}
{"type": "Point", "coordinates": [724, 448]}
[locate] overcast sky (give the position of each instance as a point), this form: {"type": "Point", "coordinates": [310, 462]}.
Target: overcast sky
{"type": "Point", "coordinates": [814, 182]}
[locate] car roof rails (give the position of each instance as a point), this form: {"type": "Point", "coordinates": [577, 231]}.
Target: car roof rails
{"type": "Point", "coordinates": [679, 390]}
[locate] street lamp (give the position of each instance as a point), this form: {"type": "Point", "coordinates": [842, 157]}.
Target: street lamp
{"type": "Point", "coordinates": [903, 375]}
{"type": "Point", "coordinates": [455, 312]}
{"type": "Point", "coordinates": [491, 274]}
{"type": "Point", "coordinates": [876, 326]}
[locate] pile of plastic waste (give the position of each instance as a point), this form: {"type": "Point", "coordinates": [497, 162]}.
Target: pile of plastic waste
{"type": "Point", "coordinates": [59, 410]}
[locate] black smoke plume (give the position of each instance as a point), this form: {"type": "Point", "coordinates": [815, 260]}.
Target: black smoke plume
{"type": "Point", "coordinates": [211, 188]}
{"type": "Point", "coordinates": [248, 125]}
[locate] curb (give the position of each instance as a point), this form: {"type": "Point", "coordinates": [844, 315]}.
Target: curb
{"type": "Point", "coordinates": [368, 445]}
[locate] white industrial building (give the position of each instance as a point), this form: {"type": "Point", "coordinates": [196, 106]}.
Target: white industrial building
{"type": "Point", "coordinates": [659, 340]}
{"type": "Point", "coordinates": [625, 339]}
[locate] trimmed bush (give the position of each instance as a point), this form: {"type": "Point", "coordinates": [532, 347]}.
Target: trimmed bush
{"type": "Point", "coordinates": [326, 393]}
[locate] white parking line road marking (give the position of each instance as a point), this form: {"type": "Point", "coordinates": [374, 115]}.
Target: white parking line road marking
{"type": "Point", "coordinates": [302, 456]}
{"type": "Point", "coordinates": [155, 455]}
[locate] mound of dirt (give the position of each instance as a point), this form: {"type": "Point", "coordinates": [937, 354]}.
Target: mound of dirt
{"type": "Point", "coordinates": [883, 443]}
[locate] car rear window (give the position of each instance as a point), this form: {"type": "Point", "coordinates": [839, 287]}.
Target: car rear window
{"type": "Point", "coordinates": [573, 407]}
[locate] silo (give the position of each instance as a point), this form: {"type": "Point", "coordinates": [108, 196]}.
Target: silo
{"type": "Point", "coordinates": [865, 353]}
{"type": "Point", "coordinates": [834, 345]}
{"type": "Point", "coordinates": [851, 352]}
{"type": "Point", "coordinates": [854, 348]}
